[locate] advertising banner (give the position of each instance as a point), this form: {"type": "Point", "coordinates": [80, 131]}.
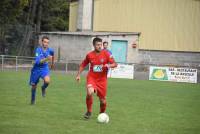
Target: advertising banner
{"type": "Point", "coordinates": [173, 74]}
{"type": "Point", "coordinates": [122, 71]}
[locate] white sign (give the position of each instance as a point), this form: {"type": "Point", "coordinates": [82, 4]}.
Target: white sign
{"type": "Point", "coordinates": [122, 71]}
{"type": "Point", "coordinates": [173, 74]}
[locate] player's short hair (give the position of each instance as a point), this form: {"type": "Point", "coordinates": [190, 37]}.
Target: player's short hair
{"type": "Point", "coordinates": [45, 37]}
{"type": "Point", "coordinates": [96, 40]}
{"type": "Point", "coordinates": [105, 42]}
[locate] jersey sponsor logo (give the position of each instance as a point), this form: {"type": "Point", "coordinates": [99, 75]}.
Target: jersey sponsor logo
{"type": "Point", "coordinates": [36, 54]}
{"type": "Point", "coordinates": [98, 68]}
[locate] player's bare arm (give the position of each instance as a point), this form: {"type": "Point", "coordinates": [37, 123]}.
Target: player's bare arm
{"type": "Point", "coordinates": [52, 62]}
{"type": "Point", "coordinates": [84, 63]}
{"type": "Point", "coordinates": [81, 68]}
{"type": "Point", "coordinates": [49, 58]}
{"type": "Point", "coordinates": [113, 65]}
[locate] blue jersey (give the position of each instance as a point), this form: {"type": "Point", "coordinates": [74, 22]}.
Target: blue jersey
{"type": "Point", "coordinates": [108, 51]}
{"type": "Point", "coordinates": [41, 54]}
{"type": "Point", "coordinates": [40, 70]}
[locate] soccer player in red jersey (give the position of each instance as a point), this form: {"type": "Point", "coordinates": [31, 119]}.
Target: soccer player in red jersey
{"type": "Point", "coordinates": [100, 61]}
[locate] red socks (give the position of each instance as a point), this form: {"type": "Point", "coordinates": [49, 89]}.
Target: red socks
{"type": "Point", "coordinates": [89, 101]}
{"type": "Point", "coordinates": [102, 106]}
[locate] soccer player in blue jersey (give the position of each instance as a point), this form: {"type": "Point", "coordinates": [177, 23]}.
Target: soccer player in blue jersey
{"type": "Point", "coordinates": [43, 55]}
{"type": "Point", "coordinates": [105, 47]}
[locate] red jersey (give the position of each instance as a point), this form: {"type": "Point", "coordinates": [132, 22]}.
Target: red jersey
{"type": "Point", "coordinates": [96, 61]}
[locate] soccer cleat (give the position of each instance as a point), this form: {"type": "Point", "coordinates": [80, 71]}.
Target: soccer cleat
{"type": "Point", "coordinates": [87, 115]}
{"type": "Point", "coordinates": [32, 102]}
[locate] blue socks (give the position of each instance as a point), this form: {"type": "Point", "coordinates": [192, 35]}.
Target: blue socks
{"type": "Point", "coordinates": [44, 86]}
{"type": "Point", "coordinates": [33, 92]}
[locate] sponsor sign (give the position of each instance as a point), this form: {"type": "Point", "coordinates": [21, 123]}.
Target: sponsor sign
{"type": "Point", "coordinates": [122, 71]}
{"type": "Point", "coordinates": [173, 74]}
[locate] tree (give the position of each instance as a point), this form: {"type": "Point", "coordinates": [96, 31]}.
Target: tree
{"type": "Point", "coordinates": [10, 11]}
{"type": "Point", "coordinates": [55, 15]}
{"type": "Point", "coordinates": [21, 21]}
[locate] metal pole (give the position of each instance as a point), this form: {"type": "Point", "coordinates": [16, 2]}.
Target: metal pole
{"type": "Point", "coordinates": [2, 62]}
{"type": "Point", "coordinates": [16, 63]}
{"type": "Point", "coordinates": [66, 67]}
{"type": "Point", "coordinates": [133, 70]}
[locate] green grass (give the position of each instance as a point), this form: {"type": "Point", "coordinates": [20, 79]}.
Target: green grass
{"type": "Point", "coordinates": [134, 107]}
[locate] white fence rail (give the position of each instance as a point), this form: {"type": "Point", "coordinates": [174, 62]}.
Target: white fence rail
{"type": "Point", "coordinates": [9, 62]}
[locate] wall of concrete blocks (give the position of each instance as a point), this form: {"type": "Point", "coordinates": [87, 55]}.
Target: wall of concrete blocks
{"type": "Point", "coordinates": [163, 58]}
{"type": "Point", "coordinates": [71, 47]}
{"type": "Point", "coordinates": [75, 47]}
{"type": "Point", "coordinates": [170, 58]}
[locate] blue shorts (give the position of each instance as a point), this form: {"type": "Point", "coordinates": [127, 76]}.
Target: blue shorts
{"type": "Point", "coordinates": [36, 74]}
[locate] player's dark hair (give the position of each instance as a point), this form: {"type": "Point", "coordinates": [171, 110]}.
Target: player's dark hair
{"type": "Point", "coordinates": [105, 42]}
{"type": "Point", "coordinates": [96, 40]}
{"type": "Point", "coordinates": [45, 37]}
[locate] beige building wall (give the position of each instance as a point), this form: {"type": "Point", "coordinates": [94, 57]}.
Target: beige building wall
{"type": "Point", "coordinates": [164, 24]}
{"type": "Point", "coordinates": [172, 25]}
{"type": "Point", "coordinates": [73, 16]}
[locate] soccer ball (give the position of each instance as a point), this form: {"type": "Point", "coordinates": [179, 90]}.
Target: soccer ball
{"type": "Point", "coordinates": [103, 118]}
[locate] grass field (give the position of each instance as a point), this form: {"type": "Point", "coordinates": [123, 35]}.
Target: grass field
{"type": "Point", "coordinates": [134, 107]}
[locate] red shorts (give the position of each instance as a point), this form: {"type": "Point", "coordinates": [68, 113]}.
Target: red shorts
{"type": "Point", "coordinates": [99, 85]}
